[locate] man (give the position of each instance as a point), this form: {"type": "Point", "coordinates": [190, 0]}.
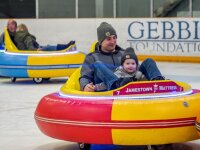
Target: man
{"type": "Point", "coordinates": [11, 27]}
{"type": "Point", "coordinates": [108, 52]}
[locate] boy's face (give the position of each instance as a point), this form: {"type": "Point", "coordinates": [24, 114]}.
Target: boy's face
{"type": "Point", "coordinates": [130, 65]}
{"type": "Point", "coordinates": [109, 43]}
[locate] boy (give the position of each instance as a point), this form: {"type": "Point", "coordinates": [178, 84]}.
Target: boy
{"type": "Point", "coordinates": [127, 72]}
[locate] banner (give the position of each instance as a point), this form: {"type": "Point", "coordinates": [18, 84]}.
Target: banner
{"type": "Point", "coordinates": [165, 36]}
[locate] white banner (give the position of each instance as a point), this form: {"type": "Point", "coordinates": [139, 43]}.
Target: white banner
{"type": "Point", "coordinates": [165, 36]}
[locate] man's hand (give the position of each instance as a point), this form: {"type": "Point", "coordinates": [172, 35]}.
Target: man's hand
{"type": "Point", "coordinates": [89, 87]}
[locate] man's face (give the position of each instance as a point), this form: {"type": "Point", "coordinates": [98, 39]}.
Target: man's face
{"type": "Point", "coordinates": [109, 43]}
{"type": "Point", "coordinates": [11, 26]}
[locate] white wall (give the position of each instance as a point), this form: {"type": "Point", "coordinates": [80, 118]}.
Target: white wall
{"type": "Point", "coordinates": [52, 31]}
{"type": "Point", "coordinates": [83, 31]}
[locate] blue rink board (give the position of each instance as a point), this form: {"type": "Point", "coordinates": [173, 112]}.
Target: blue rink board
{"type": "Point", "coordinates": [116, 147]}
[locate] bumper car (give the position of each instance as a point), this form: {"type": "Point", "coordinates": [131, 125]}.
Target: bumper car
{"type": "Point", "coordinates": [38, 65]}
{"type": "Point", "coordinates": [139, 113]}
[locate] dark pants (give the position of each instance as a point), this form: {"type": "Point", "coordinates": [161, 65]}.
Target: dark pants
{"type": "Point", "coordinates": [148, 68]}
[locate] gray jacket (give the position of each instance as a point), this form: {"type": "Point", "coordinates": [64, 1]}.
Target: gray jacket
{"type": "Point", "coordinates": [25, 41]}
{"type": "Point", "coordinates": [111, 60]}
{"type": "Point", "coordinates": [137, 76]}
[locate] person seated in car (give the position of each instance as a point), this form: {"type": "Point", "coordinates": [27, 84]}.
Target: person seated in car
{"type": "Point", "coordinates": [26, 41]}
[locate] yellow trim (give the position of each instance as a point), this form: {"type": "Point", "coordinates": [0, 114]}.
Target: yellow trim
{"type": "Point", "coordinates": [65, 58]}
{"type": "Point", "coordinates": [192, 59]}
{"type": "Point", "coordinates": [9, 45]}
{"type": "Point", "coordinates": [92, 48]}
{"type": "Point", "coordinates": [50, 73]}
{"type": "Point", "coordinates": [154, 136]}
{"type": "Point", "coordinates": [73, 82]}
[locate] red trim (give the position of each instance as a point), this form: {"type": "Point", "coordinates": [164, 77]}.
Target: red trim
{"type": "Point", "coordinates": [141, 124]}
{"type": "Point", "coordinates": [101, 134]}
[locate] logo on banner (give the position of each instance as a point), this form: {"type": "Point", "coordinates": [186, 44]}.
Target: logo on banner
{"type": "Point", "coordinates": [165, 36]}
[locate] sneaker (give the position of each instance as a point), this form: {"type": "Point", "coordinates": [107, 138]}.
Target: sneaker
{"type": "Point", "coordinates": [72, 42]}
{"type": "Point", "coordinates": [64, 46]}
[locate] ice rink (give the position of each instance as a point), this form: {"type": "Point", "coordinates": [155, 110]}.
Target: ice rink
{"type": "Point", "coordinates": [18, 130]}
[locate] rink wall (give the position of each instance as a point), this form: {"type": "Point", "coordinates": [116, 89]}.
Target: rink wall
{"type": "Point", "coordinates": [164, 39]}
